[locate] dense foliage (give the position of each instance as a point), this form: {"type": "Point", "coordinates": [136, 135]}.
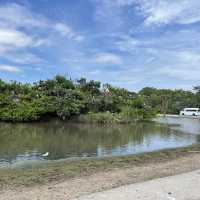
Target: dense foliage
{"type": "Point", "coordinates": [66, 99]}
{"type": "Point", "coordinates": [170, 101]}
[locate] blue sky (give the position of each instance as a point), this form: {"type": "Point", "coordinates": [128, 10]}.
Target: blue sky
{"type": "Point", "coordinates": [127, 43]}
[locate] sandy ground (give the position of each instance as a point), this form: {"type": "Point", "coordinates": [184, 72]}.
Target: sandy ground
{"type": "Point", "coordinates": [178, 187]}
{"type": "Point", "coordinates": [102, 181]}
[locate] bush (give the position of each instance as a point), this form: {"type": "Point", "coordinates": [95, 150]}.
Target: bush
{"type": "Point", "coordinates": [62, 98]}
{"type": "Point", "coordinates": [101, 118]}
{"type": "Point", "coordinates": [131, 114]}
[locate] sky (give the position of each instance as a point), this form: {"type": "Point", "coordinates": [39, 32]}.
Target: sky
{"type": "Point", "coordinates": [126, 43]}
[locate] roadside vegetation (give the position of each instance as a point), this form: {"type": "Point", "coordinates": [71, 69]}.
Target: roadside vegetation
{"type": "Point", "coordinates": [87, 101]}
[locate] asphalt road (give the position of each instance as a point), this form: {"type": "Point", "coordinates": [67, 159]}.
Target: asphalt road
{"type": "Point", "coordinates": [179, 187]}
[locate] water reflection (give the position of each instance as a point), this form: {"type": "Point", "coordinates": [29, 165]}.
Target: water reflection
{"type": "Point", "coordinates": [184, 124]}
{"type": "Point", "coordinates": [21, 142]}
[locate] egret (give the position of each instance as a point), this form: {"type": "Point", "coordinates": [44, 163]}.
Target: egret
{"type": "Point", "coordinates": [45, 154]}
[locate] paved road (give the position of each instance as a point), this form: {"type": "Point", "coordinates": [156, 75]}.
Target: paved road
{"type": "Point", "coordinates": [179, 187]}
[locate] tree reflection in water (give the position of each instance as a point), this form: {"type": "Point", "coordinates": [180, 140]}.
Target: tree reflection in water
{"type": "Point", "coordinates": [66, 140]}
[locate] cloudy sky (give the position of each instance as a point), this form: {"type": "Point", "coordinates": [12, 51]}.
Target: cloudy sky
{"type": "Point", "coordinates": [128, 43]}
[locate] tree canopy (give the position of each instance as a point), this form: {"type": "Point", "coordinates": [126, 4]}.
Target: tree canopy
{"type": "Point", "coordinates": [63, 98]}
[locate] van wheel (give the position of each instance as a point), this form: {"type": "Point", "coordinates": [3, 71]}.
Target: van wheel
{"type": "Point", "coordinates": [183, 114]}
{"type": "Point", "coordinates": [193, 114]}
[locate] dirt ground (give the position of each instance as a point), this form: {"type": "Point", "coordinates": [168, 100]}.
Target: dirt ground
{"type": "Point", "coordinates": [178, 187]}
{"type": "Point", "coordinates": [101, 181]}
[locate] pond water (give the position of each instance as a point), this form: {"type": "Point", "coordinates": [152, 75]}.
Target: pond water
{"type": "Point", "coordinates": [20, 143]}
{"type": "Point", "coordinates": [185, 124]}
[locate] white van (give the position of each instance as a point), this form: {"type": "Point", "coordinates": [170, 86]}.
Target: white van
{"type": "Point", "coordinates": [190, 112]}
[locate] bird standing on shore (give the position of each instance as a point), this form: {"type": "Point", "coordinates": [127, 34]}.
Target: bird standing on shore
{"type": "Point", "coordinates": [45, 154]}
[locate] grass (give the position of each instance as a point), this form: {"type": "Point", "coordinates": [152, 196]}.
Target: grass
{"type": "Point", "coordinates": [106, 118]}
{"type": "Point", "coordinates": [100, 118]}
{"type": "Point", "coordinates": [63, 170]}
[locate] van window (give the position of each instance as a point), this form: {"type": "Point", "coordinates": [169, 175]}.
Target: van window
{"type": "Point", "coordinates": [192, 110]}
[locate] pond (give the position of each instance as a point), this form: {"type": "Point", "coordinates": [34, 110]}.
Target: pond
{"type": "Point", "coordinates": [184, 124]}
{"type": "Point", "coordinates": [20, 143]}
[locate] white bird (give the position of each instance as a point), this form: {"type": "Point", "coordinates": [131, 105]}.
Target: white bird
{"type": "Point", "coordinates": [45, 154]}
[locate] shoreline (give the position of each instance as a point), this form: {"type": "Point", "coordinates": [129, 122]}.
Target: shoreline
{"type": "Point", "coordinates": [86, 120]}
{"type": "Point", "coordinates": [59, 172]}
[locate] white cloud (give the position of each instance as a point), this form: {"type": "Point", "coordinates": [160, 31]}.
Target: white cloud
{"type": "Point", "coordinates": [68, 32]}
{"type": "Point", "coordinates": [22, 30]}
{"type": "Point", "coordinates": [64, 30]}
{"type": "Point", "coordinates": [157, 12]}
{"type": "Point", "coordinates": [127, 43]}
{"type": "Point", "coordinates": [13, 39]}
{"type": "Point", "coordinates": [125, 2]}
{"type": "Point", "coordinates": [110, 13]}
{"type": "Point", "coordinates": [24, 58]}
{"type": "Point", "coordinates": [189, 58]}
{"type": "Point", "coordinates": [14, 42]}
{"type": "Point", "coordinates": [180, 73]}
{"type": "Point", "coordinates": [9, 37]}
{"type": "Point", "coordinates": [116, 3]}
{"type": "Point", "coordinates": [79, 38]}
{"type": "Point", "coordinates": [120, 78]}
{"type": "Point", "coordinates": [15, 15]}
{"type": "Point", "coordinates": [172, 55]}
{"type": "Point", "coordinates": [105, 10]}
{"type": "Point", "coordinates": [180, 41]}
{"type": "Point", "coordinates": [107, 58]}
{"type": "Point", "coordinates": [8, 68]}
{"type": "Point", "coordinates": [182, 65]}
